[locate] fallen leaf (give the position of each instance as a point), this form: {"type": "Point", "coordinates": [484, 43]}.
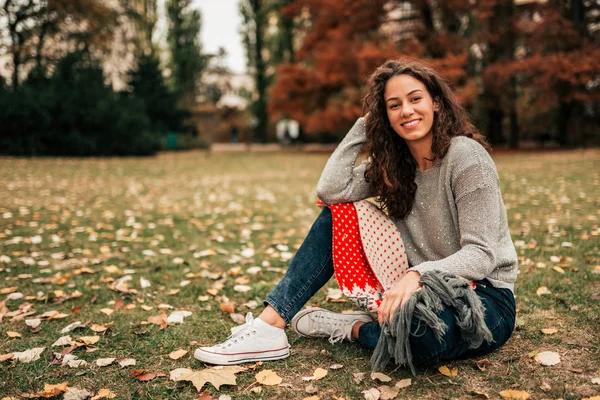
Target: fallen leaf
{"type": "Point", "coordinates": [549, 331]}
{"type": "Point", "coordinates": [63, 341]}
{"type": "Point", "coordinates": [380, 377]}
{"type": "Point", "coordinates": [177, 354]}
{"type": "Point", "coordinates": [160, 320]}
{"type": "Point", "coordinates": [107, 311]}
{"type": "Point", "coordinates": [29, 355]}
{"type": "Point", "coordinates": [547, 358]}
{"type": "Point", "coordinates": [242, 288]}
{"type": "Point", "coordinates": [204, 396]}
{"type": "Point", "coordinates": [311, 389]}
{"type": "Point", "coordinates": [74, 393]}
{"type": "Point", "coordinates": [388, 392]}
{"type": "Point", "coordinates": [371, 394]}
{"type": "Point", "coordinates": [336, 366]}
{"type": "Point", "coordinates": [177, 317]}
{"type": "Point", "coordinates": [559, 269]}
{"type": "Point", "coordinates": [6, 357]}
{"type": "Point", "coordinates": [227, 307]}
{"type": "Point", "coordinates": [88, 340]}
{"type": "Point", "coordinates": [70, 327]}
{"type": "Point", "coordinates": [444, 370]}
{"type": "Point", "coordinates": [515, 394]}
{"type": "Point", "coordinates": [238, 318]}
{"type": "Point", "coordinates": [104, 394]}
{"type": "Point", "coordinates": [479, 395]}
{"type": "Point", "coordinates": [403, 383]}
{"type": "Point", "coordinates": [73, 361]}
{"type": "Point", "coordinates": [543, 290]}
{"type": "Point", "coordinates": [268, 377]}
{"type": "Point", "coordinates": [103, 362]}
{"type": "Point", "coordinates": [145, 376]}
{"type": "Point", "coordinates": [358, 377]}
{"type": "Point", "coordinates": [596, 381]}
{"type": "Point", "coordinates": [98, 328]}
{"type": "Point", "coordinates": [126, 362]}
{"type": "Point", "coordinates": [33, 323]}
{"type": "Point", "coordinates": [52, 390]}
{"type": "Point", "coordinates": [215, 377]}
{"type": "Point", "coordinates": [13, 335]}
{"type": "Point", "coordinates": [483, 364]}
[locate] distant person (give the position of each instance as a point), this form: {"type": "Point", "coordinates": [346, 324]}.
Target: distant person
{"type": "Point", "coordinates": [233, 134]}
{"type": "Point", "coordinates": [438, 268]}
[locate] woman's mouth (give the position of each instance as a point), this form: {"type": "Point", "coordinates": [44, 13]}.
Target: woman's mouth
{"type": "Point", "coordinates": [411, 124]}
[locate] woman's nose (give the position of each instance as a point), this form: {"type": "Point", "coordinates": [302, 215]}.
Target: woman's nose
{"type": "Point", "coordinates": [407, 111]}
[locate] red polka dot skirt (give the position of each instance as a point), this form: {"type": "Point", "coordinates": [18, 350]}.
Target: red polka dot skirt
{"type": "Point", "coordinates": [368, 252]}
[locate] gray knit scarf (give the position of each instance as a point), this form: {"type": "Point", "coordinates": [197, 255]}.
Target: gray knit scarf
{"type": "Point", "coordinates": [439, 290]}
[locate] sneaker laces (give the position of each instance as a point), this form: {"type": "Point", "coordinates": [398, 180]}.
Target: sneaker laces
{"type": "Point", "coordinates": [240, 331]}
{"type": "Point", "coordinates": [332, 327]}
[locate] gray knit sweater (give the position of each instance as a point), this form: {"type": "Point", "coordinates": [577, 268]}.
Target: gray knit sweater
{"type": "Point", "coordinates": [458, 221]}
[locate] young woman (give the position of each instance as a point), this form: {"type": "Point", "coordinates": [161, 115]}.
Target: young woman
{"type": "Point", "coordinates": [429, 168]}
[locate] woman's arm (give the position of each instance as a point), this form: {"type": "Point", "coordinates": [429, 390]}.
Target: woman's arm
{"type": "Point", "coordinates": [340, 181]}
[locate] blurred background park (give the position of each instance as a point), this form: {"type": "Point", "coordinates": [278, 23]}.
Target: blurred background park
{"type": "Point", "coordinates": [133, 77]}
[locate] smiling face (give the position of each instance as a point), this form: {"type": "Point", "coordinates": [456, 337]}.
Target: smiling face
{"type": "Point", "coordinates": [410, 109]}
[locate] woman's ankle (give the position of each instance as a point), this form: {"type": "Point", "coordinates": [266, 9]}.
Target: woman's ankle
{"type": "Point", "coordinates": [356, 329]}
{"type": "Point", "coordinates": [271, 317]}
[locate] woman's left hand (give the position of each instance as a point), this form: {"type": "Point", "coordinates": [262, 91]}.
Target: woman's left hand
{"type": "Point", "coordinates": [397, 295]}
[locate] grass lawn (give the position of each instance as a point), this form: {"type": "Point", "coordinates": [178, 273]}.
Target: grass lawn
{"type": "Point", "coordinates": [113, 242]}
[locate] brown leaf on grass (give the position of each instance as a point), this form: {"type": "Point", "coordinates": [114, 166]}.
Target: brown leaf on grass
{"type": "Point", "coordinates": [388, 392]}
{"type": "Point", "coordinates": [549, 331]}
{"type": "Point", "coordinates": [74, 393]}
{"type": "Point", "coordinates": [13, 335]}
{"type": "Point", "coordinates": [444, 370]}
{"type": "Point", "coordinates": [483, 364]}
{"type": "Point", "coordinates": [319, 373]}
{"type": "Point", "coordinates": [6, 357]}
{"type": "Point", "coordinates": [216, 377]}
{"type": "Point", "coordinates": [543, 290]}
{"type": "Point", "coordinates": [515, 394]}
{"type": "Point", "coordinates": [107, 311]}
{"type": "Point", "coordinates": [177, 354]}
{"type": "Point", "coordinates": [160, 320]}
{"type": "Point", "coordinates": [52, 390]}
{"type": "Point", "coordinates": [143, 375]}
{"type": "Point", "coordinates": [358, 377]}
{"type": "Point", "coordinates": [237, 318]}
{"type": "Point", "coordinates": [87, 340]}
{"type": "Point", "coordinates": [479, 395]}
{"type": "Point", "coordinates": [9, 290]}
{"type": "Point", "coordinates": [268, 377]}
{"type": "Point", "coordinates": [371, 394]}
{"type": "Point", "coordinates": [98, 328]}
{"type": "Point", "coordinates": [227, 307]}
{"type": "Point", "coordinates": [204, 396]}
{"type": "Point", "coordinates": [104, 394]}
{"type": "Point", "coordinates": [103, 362]}
{"type": "Point", "coordinates": [403, 383]}
{"type": "Point", "coordinates": [311, 389]}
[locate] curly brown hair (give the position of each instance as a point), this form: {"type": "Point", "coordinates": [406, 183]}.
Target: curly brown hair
{"type": "Point", "coordinates": [392, 169]}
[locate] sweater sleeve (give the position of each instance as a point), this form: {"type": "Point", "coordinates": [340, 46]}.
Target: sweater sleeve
{"type": "Point", "coordinates": [478, 203]}
{"type": "Point", "coordinates": [340, 180]}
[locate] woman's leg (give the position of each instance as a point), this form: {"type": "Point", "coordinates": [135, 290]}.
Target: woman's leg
{"type": "Point", "coordinates": [428, 351]}
{"type": "Point", "coordinates": [310, 269]}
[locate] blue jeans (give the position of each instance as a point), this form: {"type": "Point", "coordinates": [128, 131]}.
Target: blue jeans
{"type": "Point", "coordinates": [312, 267]}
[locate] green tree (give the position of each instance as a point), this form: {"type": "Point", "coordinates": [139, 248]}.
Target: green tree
{"type": "Point", "coordinates": [187, 59]}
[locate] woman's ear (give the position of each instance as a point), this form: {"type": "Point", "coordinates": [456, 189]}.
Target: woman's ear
{"type": "Point", "coordinates": [436, 106]}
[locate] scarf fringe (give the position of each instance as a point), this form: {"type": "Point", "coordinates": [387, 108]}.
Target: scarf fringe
{"type": "Point", "coordinates": [439, 291]}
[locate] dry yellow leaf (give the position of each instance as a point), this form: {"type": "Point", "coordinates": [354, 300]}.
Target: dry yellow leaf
{"type": "Point", "coordinates": [591, 398]}
{"type": "Point", "coordinates": [88, 340]}
{"type": "Point", "coordinates": [444, 370]}
{"type": "Point", "coordinates": [320, 373]}
{"type": "Point", "coordinates": [12, 334]}
{"type": "Point", "coordinates": [98, 328]}
{"type": "Point", "coordinates": [543, 290]}
{"type": "Point", "coordinates": [107, 311]}
{"type": "Point", "coordinates": [104, 394]}
{"type": "Point", "coordinates": [268, 377]}
{"type": "Point", "coordinates": [388, 392]}
{"type": "Point", "coordinates": [515, 394]}
{"type": "Point", "coordinates": [380, 377]}
{"type": "Point", "coordinates": [177, 354]}
{"type": "Point", "coordinates": [549, 331]}
{"type": "Point", "coordinates": [315, 397]}
{"type": "Point", "coordinates": [559, 270]}
{"type": "Point", "coordinates": [9, 290]}
{"type": "Point", "coordinates": [53, 390]}
{"type": "Point", "coordinates": [6, 357]}
{"type": "Point", "coordinates": [547, 358]}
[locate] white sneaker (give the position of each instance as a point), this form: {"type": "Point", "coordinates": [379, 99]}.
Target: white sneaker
{"type": "Point", "coordinates": [253, 341]}
{"type": "Point", "coordinates": [318, 322]}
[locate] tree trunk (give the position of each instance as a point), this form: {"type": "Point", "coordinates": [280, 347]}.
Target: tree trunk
{"type": "Point", "coordinates": [260, 106]}
{"type": "Point", "coordinates": [564, 116]}
{"type": "Point", "coordinates": [494, 127]}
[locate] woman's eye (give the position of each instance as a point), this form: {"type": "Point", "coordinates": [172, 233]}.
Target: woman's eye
{"type": "Point", "coordinates": [416, 99]}
{"type": "Point", "coordinates": [393, 106]}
